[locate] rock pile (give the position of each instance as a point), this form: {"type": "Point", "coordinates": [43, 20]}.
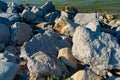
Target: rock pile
{"type": "Point", "coordinates": [40, 41]}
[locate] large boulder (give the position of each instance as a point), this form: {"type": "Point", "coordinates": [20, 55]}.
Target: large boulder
{"type": "Point", "coordinates": [45, 65]}
{"type": "Point", "coordinates": [48, 42]}
{"type": "Point", "coordinates": [4, 34]}
{"type": "Point", "coordinates": [48, 7]}
{"type": "Point", "coordinates": [64, 26]}
{"type": "Point", "coordinates": [3, 6]}
{"type": "Point", "coordinates": [20, 32]}
{"type": "Point", "coordinates": [99, 50]}
{"type": "Point", "coordinates": [85, 18]}
{"type": "Point", "coordinates": [13, 17]}
{"type": "Point", "coordinates": [8, 70]}
{"type": "Point", "coordinates": [27, 15]}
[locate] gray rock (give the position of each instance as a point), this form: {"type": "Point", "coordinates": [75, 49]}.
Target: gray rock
{"type": "Point", "coordinates": [8, 70]}
{"type": "Point", "coordinates": [12, 7]}
{"type": "Point", "coordinates": [8, 58]}
{"type": "Point", "coordinates": [99, 50]}
{"type": "Point", "coordinates": [91, 75]}
{"type": "Point", "coordinates": [45, 65]}
{"type": "Point", "coordinates": [20, 32]}
{"type": "Point", "coordinates": [113, 78]}
{"type": "Point", "coordinates": [51, 17]}
{"type": "Point", "coordinates": [85, 18]}
{"type": "Point", "coordinates": [37, 20]}
{"type": "Point", "coordinates": [28, 16]}
{"type": "Point", "coordinates": [48, 7]}
{"type": "Point", "coordinates": [37, 11]}
{"type": "Point", "coordinates": [3, 6]}
{"type": "Point", "coordinates": [11, 50]}
{"type": "Point", "coordinates": [13, 17]}
{"type": "Point", "coordinates": [4, 34]}
{"type": "Point", "coordinates": [67, 15]}
{"type": "Point", "coordinates": [2, 46]}
{"type": "Point", "coordinates": [49, 42]}
{"type": "Point", "coordinates": [5, 21]}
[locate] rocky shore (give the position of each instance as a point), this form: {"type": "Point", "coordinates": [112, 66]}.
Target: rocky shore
{"type": "Point", "coordinates": [43, 43]}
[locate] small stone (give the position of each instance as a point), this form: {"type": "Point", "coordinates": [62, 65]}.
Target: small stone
{"type": "Point", "coordinates": [80, 75]}
{"type": "Point", "coordinates": [48, 7]}
{"type": "Point", "coordinates": [21, 32]}
{"type": "Point", "coordinates": [65, 55]}
{"type": "Point", "coordinates": [8, 70]}
{"type": "Point", "coordinates": [109, 74]}
{"type": "Point", "coordinates": [63, 26]}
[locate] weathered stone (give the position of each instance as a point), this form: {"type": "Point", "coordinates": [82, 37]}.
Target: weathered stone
{"type": "Point", "coordinates": [8, 70]}
{"type": "Point", "coordinates": [80, 75]}
{"type": "Point", "coordinates": [8, 58]}
{"type": "Point", "coordinates": [63, 26]}
{"type": "Point", "coordinates": [99, 50]}
{"type": "Point", "coordinates": [4, 34]}
{"type": "Point", "coordinates": [44, 25]}
{"type": "Point", "coordinates": [85, 18]}
{"type": "Point", "coordinates": [27, 15]}
{"type": "Point", "coordinates": [37, 11]}
{"type": "Point", "coordinates": [11, 50]}
{"type": "Point", "coordinates": [65, 55]}
{"type": "Point", "coordinates": [48, 7]}
{"type": "Point", "coordinates": [13, 17]}
{"type": "Point", "coordinates": [44, 65]}
{"type": "Point", "coordinates": [51, 17]}
{"type": "Point", "coordinates": [48, 42]}
{"type": "Point", "coordinates": [21, 32]}
{"type": "Point", "coordinates": [3, 6]}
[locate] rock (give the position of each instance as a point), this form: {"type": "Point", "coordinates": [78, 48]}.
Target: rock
{"type": "Point", "coordinates": [48, 7]}
{"type": "Point", "coordinates": [91, 75]}
{"type": "Point", "coordinates": [113, 78]}
{"type": "Point", "coordinates": [2, 46]}
{"type": "Point", "coordinates": [21, 32]}
{"type": "Point", "coordinates": [11, 50]}
{"type": "Point", "coordinates": [45, 65]}
{"type": "Point", "coordinates": [12, 8]}
{"type": "Point", "coordinates": [118, 32]}
{"type": "Point", "coordinates": [37, 11]}
{"type": "Point", "coordinates": [94, 26]}
{"type": "Point", "coordinates": [80, 75]}
{"type": "Point", "coordinates": [51, 17]}
{"type": "Point", "coordinates": [67, 15]}
{"type": "Point", "coordinates": [4, 34]}
{"type": "Point", "coordinates": [99, 50]}
{"type": "Point", "coordinates": [63, 26]}
{"type": "Point", "coordinates": [13, 17]}
{"type": "Point", "coordinates": [6, 57]}
{"type": "Point", "coordinates": [45, 25]}
{"type": "Point", "coordinates": [3, 6]}
{"type": "Point", "coordinates": [38, 20]}
{"type": "Point", "coordinates": [28, 16]}
{"type": "Point", "coordinates": [65, 55]}
{"type": "Point", "coordinates": [5, 21]}
{"type": "Point", "coordinates": [85, 18]}
{"type": "Point", "coordinates": [48, 42]}
{"type": "Point", "coordinates": [8, 70]}
{"type": "Point", "coordinates": [71, 9]}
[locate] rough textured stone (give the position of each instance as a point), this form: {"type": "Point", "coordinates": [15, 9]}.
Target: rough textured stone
{"type": "Point", "coordinates": [37, 11]}
{"type": "Point", "coordinates": [3, 6]}
{"type": "Point", "coordinates": [45, 65]}
{"type": "Point", "coordinates": [4, 34]}
{"type": "Point", "coordinates": [8, 70]}
{"type": "Point", "coordinates": [48, 42]}
{"type": "Point", "coordinates": [65, 55]}
{"type": "Point", "coordinates": [99, 50]}
{"type": "Point", "coordinates": [80, 75]}
{"type": "Point", "coordinates": [91, 75]}
{"type": "Point", "coordinates": [27, 15]}
{"type": "Point", "coordinates": [63, 26]}
{"type": "Point", "coordinates": [48, 7]}
{"type": "Point", "coordinates": [85, 18]}
{"type": "Point", "coordinates": [51, 17]}
{"type": "Point", "coordinates": [21, 32]}
{"type": "Point", "coordinates": [13, 17]}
